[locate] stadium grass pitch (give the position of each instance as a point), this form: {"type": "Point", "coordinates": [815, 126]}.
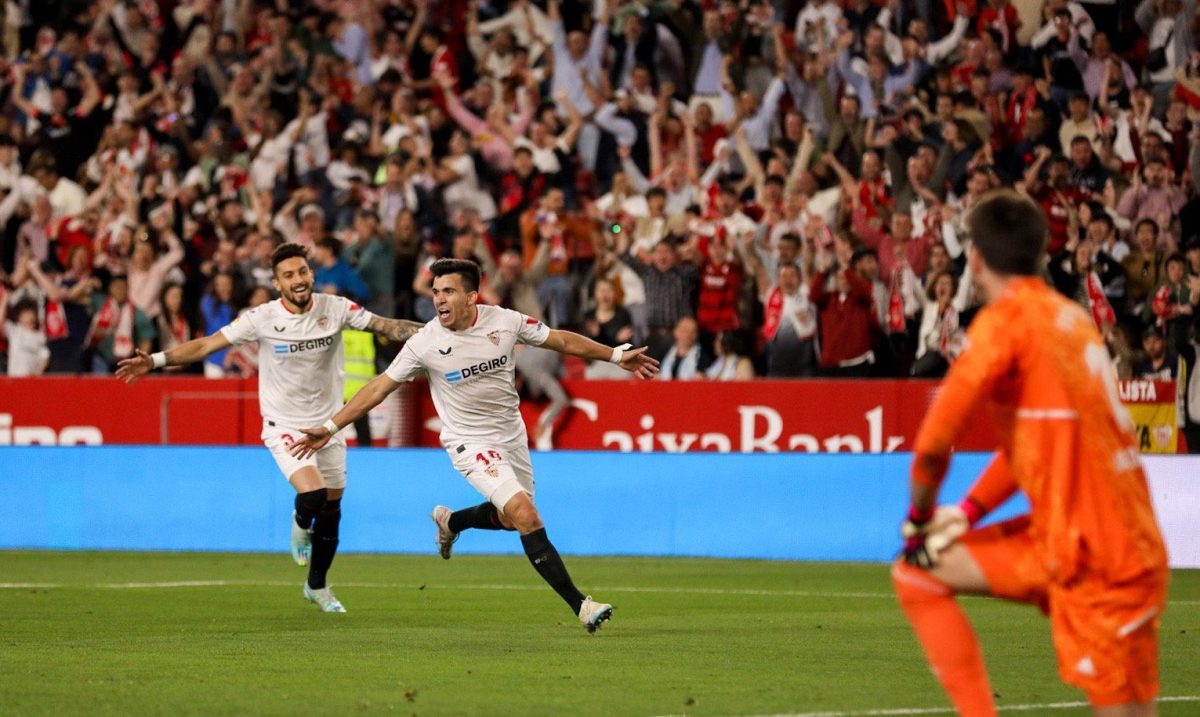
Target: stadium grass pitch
{"type": "Point", "coordinates": [215, 634]}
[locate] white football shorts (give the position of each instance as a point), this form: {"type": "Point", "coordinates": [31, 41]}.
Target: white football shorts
{"type": "Point", "coordinates": [497, 472]}
{"type": "Point", "coordinates": [330, 461]}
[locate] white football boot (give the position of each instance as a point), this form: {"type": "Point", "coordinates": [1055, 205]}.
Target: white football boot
{"type": "Point", "coordinates": [445, 538]}
{"type": "Point", "coordinates": [301, 543]}
{"type": "Point", "coordinates": [323, 598]}
{"type": "Point", "coordinates": [594, 614]}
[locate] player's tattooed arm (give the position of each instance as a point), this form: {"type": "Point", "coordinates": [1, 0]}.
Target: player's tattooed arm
{"type": "Point", "coordinates": [395, 329]}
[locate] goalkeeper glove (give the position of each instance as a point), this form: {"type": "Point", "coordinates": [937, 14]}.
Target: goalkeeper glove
{"type": "Point", "coordinates": [926, 539]}
{"type": "Point", "coordinates": [914, 531]}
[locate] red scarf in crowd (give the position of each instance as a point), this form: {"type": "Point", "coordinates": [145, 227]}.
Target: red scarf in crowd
{"type": "Point", "coordinates": [1016, 115]}
{"type": "Point", "coordinates": [116, 320]}
{"type": "Point", "coordinates": [805, 323]}
{"type": "Point", "coordinates": [874, 194]}
{"type": "Point", "coordinates": [1161, 304]}
{"type": "Point", "coordinates": [1102, 311]}
{"type": "Point", "coordinates": [947, 343]}
{"type": "Point", "coordinates": [56, 321]}
{"type": "Point", "coordinates": [180, 329]}
{"type": "Point", "coordinates": [895, 310]}
{"type": "Point", "coordinates": [772, 314]}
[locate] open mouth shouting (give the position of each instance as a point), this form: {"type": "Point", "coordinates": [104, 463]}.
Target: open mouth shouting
{"type": "Point", "coordinates": [301, 293]}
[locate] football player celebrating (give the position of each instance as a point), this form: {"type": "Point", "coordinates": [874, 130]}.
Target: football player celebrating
{"type": "Point", "coordinates": [300, 368]}
{"type": "Point", "coordinates": [467, 354]}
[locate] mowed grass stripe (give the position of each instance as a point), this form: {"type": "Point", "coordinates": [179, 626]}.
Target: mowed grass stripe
{"type": "Point", "coordinates": [481, 635]}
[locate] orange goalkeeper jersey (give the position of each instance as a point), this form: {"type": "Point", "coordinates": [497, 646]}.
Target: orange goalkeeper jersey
{"type": "Point", "coordinates": [1036, 360]}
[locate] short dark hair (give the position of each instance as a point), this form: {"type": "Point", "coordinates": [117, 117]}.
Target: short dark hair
{"type": "Point", "coordinates": [333, 245]}
{"type": "Point", "coordinates": [1103, 217]}
{"type": "Point", "coordinates": [465, 268]}
{"type": "Point", "coordinates": [861, 253]}
{"type": "Point", "coordinates": [1010, 232]}
{"type": "Point", "coordinates": [285, 251]}
{"type": "Point", "coordinates": [1145, 221]}
{"type": "Point", "coordinates": [656, 192]}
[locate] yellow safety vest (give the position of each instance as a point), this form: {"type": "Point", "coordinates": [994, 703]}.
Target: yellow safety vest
{"type": "Point", "coordinates": [360, 360]}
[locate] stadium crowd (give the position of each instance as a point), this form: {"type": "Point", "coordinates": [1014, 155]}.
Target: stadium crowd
{"type": "Point", "coordinates": [752, 188]}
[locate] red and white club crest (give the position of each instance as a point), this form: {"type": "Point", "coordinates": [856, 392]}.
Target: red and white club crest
{"type": "Point", "coordinates": [322, 321]}
{"type": "Point", "coordinates": [494, 337]}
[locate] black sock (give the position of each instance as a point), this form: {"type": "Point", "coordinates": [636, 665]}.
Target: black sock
{"type": "Point", "coordinates": [546, 561]}
{"type": "Point", "coordinates": [325, 543]}
{"type": "Point", "coordinates": [308, 505]}
{"type": "Point", "coordinates": [483, 516]}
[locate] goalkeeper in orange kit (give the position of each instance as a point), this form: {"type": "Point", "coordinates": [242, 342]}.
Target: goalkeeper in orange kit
{"type": "Point", "coordinates": [1089, 553]}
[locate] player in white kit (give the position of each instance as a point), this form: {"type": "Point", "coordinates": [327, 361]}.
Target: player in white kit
{"type": "Point", "coordinates": [300, 383]}
{"type": "Point", "coordinates": [467, 354]}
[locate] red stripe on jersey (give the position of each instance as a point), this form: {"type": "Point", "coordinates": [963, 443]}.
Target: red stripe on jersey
{"type": "Point", "coordinates": [285, 307]}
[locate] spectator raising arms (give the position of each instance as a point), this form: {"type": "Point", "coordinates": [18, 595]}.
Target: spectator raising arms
{"type": "Point", "coordinates": [802, 184]}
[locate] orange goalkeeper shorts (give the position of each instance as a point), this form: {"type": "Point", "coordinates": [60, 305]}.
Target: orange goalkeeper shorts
{"type": "Point", "coordinates": [1105, 635]}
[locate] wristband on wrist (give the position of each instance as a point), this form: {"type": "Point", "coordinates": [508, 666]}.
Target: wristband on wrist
{"type": "Point", "coordinates": [618, 352]}
{"type": "Point", "coordinates": [331, 427]}
{"type": "Point", "coordinates": [973, 509]}
{"type": "Point", "coordinates": [159, 359]}
{"type": "Point", "coordinates": [918, 516]}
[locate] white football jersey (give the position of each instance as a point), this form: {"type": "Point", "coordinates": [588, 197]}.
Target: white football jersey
{"type": "Point", "coordinates": [300, 366]}
{"type": "Point", "coordinates": [471, 374]}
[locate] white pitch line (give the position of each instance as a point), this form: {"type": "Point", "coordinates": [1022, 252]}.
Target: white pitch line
{"type": "Point", "coordinates": [900, 711]}
{"type": "Point", "coordinates": [176, 584]}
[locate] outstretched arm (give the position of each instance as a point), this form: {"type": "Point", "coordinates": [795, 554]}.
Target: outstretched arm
{"type": "Point", "coordinates": [368, 397]}
{"type": "Point", "coordinates": [633, 360]}
{"type": "Point", "coordinates": [142, 363]}
{"type": "Point", "coordinates": [395, 329]}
